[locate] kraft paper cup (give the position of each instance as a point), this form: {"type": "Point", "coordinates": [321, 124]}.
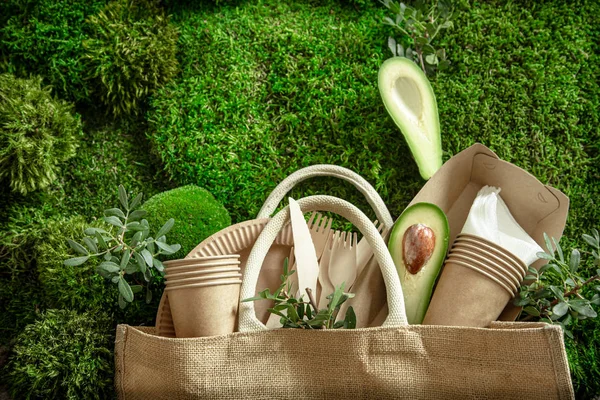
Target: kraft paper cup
{"type": "Point", "coordinates": [205, 309]}
{"type": "Point", "coordinates": [465, 297]}
{"type": "Point", "coordinates": [488, 265]}
{"type": "Point", "coordinates": [203, 272]}
{"type": "Point", "coordinates": [474, 288]}
{"type": "Point", "coordinates": [200, 260]}
{"type": "Point", "coordinates": [202, 279]}
{"type": "Point", "coordinates": [202, 267]}
{"type": "Point", "coordinates": [518, 267]}
{"type": "Point", "coordinates": [515, 269]}
{"type": "Point", "coordinates": [484, 270]}
{"type": "Point", "coordinates": [494, 248]}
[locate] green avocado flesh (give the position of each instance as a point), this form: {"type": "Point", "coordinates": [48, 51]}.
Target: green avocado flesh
{"type": "Point", "coordinates": [409, 99]}
{"type": "Point", "coordinates": [418, 245]}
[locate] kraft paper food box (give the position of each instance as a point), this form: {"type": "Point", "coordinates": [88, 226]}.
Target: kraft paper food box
{"type": "Point", "coordinates": [538, 208]}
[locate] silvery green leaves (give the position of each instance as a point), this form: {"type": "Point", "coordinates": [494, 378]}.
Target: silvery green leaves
{"type": "Point", "coordinates": [127, 248]}
{"type": "Point", "coordinates": [555, 292]}
{"type": "Point", "coordinates": [594, 241]}
{"type": "Point", "coordinates": [418, 26]}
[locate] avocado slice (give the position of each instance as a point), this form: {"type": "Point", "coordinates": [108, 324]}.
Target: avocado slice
{"type": "Point", "coordinates": [418, 245]}
{"type": "Point", "coordinates": [409, 99]}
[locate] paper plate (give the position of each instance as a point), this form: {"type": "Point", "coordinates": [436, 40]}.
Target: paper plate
{"type": "Point", "coordinates": [164, 321]}
{"type": "Point", "coordinates": [239, 239]}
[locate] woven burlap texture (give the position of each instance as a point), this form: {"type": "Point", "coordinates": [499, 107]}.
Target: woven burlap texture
{"type": "Point", "coordinates": [523, 361]}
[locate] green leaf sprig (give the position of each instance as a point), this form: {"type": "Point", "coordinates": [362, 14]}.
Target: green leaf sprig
{"type": "Point", "coordinates": [127, 248]}
{"type": "Point", "coordinates": [553, 294]}
{"type": "Point", "coordinates": [419, 26]}
{"type": "Point", "coordinates": [300, 314]}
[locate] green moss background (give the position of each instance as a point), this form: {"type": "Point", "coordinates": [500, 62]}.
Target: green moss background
{"type": "Point", "coordinates": [267, 87]}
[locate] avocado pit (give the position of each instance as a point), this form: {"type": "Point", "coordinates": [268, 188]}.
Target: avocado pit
{"type": "Point", "coordinates": [418, 244]}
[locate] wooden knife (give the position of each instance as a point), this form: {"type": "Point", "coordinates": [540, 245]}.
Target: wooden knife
{"type": "Point", "coordinates": [307, 266]}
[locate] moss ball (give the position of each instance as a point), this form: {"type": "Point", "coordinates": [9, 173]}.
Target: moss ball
{"type": "Point", "coordinates": [131, 52]}
{"type": "Point", "coordinates": [37, 133]}
{"type": "Point", "coordinates": [196, 212]}
{"type": "Point", "coordinates": [63, 355]}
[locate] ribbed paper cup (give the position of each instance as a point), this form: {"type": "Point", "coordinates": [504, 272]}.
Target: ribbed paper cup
{"type": "Point", "coordinates": [203, 272]}
{"type": "Point", "coordinates": [514, 269]}
{"type": "Point", "coordinates": [205, 309]}
{"type": "Point", "coordinates": [476, 284]}
{"type": "Point", "coordinates": [488, 265]}
{"type": "Point", "coordinates": [202, 279]}
{"type": "Point", "coordinates": [465, 297]}
{"type": "Point", "coordinates": [202, 267]}
{"type": "Point", "coordinates": [494, 248]}
{"type": "Point", "coordinates": [201, 260]}
{"type": "Point", "coordinates": [484, 269]}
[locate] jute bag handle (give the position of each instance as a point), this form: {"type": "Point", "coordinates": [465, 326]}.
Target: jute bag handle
{"type": "Point", "coordinates": [396, 311]}
{"type": "Point", "coordinates": [375, 201]}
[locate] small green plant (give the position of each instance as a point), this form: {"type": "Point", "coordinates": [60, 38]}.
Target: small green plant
{"type": "Point", "coordinates": [554, 293]}
{"type": "Point", "coordinates": [128, 251]}
{"type": "Point", "coordinates": [132, 51]}
{"type": "Point", "coordinates": [196, 212]}
{"type": "Point", "coordinates": [419, 26]}
{"type": "Point", "coordinates": [63, 355]}
{"type": "Point", "coordinates": [37, 133]}
{"type": "Point", "coordinates": [298, 313]}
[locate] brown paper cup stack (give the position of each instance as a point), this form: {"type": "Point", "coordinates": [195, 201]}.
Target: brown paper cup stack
{"type": "Point", "coordinates": [478, 281]}
{"type": "Point", "coordinates": [203, 294]}
{"type": "Point", "coordinates": [201, 263]}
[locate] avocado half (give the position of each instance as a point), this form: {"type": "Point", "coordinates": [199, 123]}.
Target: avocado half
{"type": "Point", "coordinates": [409, 99]}
{"type": "Point", "coordinates": [418, 245]}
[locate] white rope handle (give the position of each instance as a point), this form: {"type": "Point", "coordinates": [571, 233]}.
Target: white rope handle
{"type": "Point", "coordinates": [375, 201]}
{"type": "Point", "coordinates": [247, 316]}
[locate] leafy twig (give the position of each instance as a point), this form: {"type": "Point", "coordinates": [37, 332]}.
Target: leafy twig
{"type": "Point", "coordinates": [129, 252]}
{"type": "Point", "coordinates": [296, 313]}
{"type": "Point", "coordinates": [419, 26]}
{"type": "Point", "coordinates": [311, 298]}
{"type": "Point", "coordinates": [553, 294]}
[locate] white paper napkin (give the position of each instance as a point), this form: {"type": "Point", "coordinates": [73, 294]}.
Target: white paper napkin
{"type": "Point", "coordinates": [491, 219]}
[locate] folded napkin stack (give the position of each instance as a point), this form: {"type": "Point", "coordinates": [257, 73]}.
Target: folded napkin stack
{"type": "Point", "coordinates": [491, 219]}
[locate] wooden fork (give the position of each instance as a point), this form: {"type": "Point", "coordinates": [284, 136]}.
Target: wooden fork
{"type": "Point", "coordinates": [320, 229]}
{"type": "Point", "coordinates": [342, 265]}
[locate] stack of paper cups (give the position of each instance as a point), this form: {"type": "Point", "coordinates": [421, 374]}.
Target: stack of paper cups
{"type": "Point", "coordinates": [203, 294]}
{"type": "Point", "coordinates": [478, 281]}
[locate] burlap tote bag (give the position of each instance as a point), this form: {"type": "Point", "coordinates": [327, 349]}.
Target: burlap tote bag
{"type": "Point", "coordinates": [240, 238]}
{"type": "Point", "coordinates": [507, 360]}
